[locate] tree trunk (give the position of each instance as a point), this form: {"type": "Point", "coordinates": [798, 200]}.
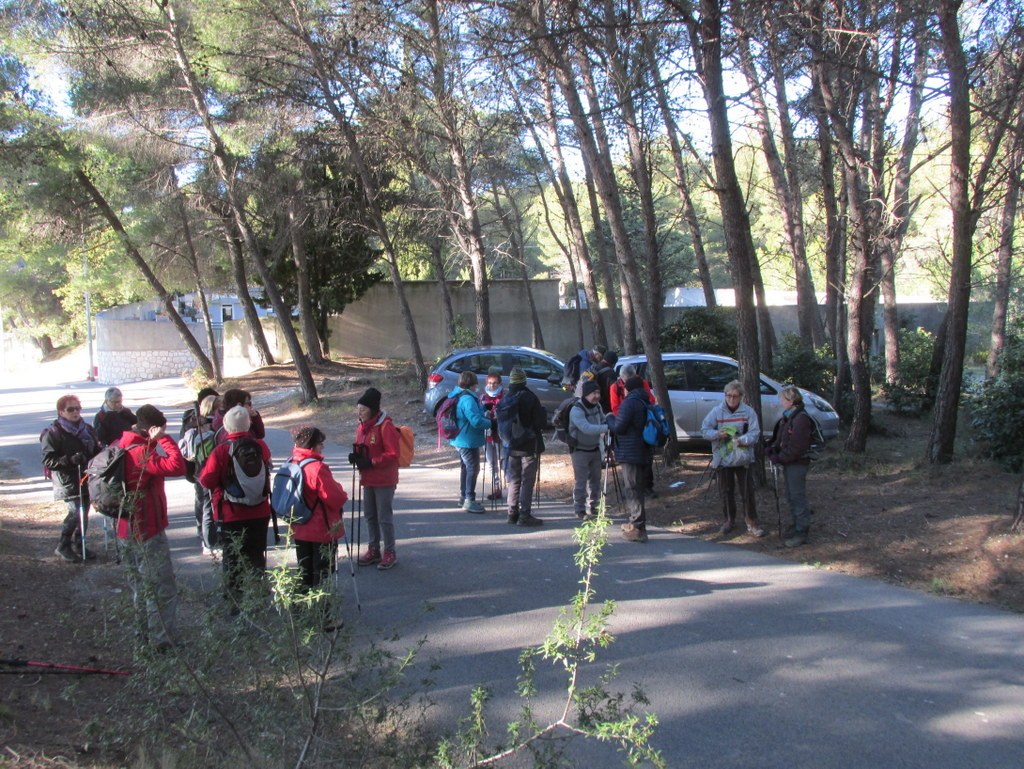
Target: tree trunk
{"type": "Point", "coordinates": [786, 182]}
{"type": "Point", "coordinates": [1004, 265]}
{"type": "Point", "coordinates": [434, 245]}
{"type": "Point", "coordinates": [562, 185]}
{"type": "Point", "coordinates": [947, 396]}
{"type": "Point", "coordinates": [706, 42]}
{"type": "Point", "coordinates": [193, 260]}
{"type": "Point", "coordinates": [226, 173]}
{"type": "Point", "coordinates": [322, 73]}
{"type": "Point", "coordinates": [623, 325]}
{"type": "Point", "coordinates": [168, 301]}
{"type": "Point", "coordinates": [608, 190]}
{"type": "Point", "coordinates": [307, 318]}
{"type": "Point", "coordinates": [252, 317]}
{"type": "Point", "coordinates": [682, 182]}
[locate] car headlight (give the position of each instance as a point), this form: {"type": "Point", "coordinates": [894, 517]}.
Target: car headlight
{"type": "Point", "coordinates": [821, 405]}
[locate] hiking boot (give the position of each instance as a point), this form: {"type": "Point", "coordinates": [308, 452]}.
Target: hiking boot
{"type": "Point", "coordinates": [528, 520]}
{"type": "Point", "coordinates": [494, 495]}
{"type": "Point", "coordinates": [633, 533]}
{"type": "Point", "coordinates": [65, 551]}
{"type": "Point", "coordinates": [798, 539]}
{"type": "Point", "coordinates": [370, 557]}
{"type": "Point", "coordinates": [387, 560]}
{"type": "Point", "coordinates": [513, 517]}
{"type": "Point", "coordinates": [472, 506]}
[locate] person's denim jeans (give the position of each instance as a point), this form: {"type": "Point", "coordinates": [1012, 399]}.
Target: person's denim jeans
{"type": "Point", "coordinates": [470, 459]}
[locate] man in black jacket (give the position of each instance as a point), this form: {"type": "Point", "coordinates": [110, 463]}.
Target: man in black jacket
{"type": "Point", "coordinates": [632, 454]}
{"type": "Point", "coordinates": [67, 446]}
{"type": "Point", "coordinates": [521, 422]}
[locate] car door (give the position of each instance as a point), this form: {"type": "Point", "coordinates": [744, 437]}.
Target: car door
{"type": "Point", "coordinates": [706, 381]}
{"type": "Point", "coordinates": [683, 404]}
{"type": "Point", "coordinates": [540, 372]}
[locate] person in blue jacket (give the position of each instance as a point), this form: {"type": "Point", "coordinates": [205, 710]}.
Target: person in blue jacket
{"type": "Point", "coordinates": [632, 454]}
{"type": "Point", "coordinates": [472, 422]}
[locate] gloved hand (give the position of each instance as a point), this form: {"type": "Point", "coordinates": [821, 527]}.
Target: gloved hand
{"type": "Point", "coordinates": [610, 421]}
{"type": "Point", "coordinates": [78, 459]}
{"type": "Point", "coordinates": [363, 462]}
{"type": "Point", "coordinates": [353, 459]}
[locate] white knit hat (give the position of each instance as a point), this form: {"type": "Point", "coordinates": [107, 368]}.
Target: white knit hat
{"type": "Point", "coordinates": [237, 420]}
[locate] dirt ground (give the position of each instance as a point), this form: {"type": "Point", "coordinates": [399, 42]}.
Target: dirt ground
{"type": "Point", "coordinates": [884, 515]}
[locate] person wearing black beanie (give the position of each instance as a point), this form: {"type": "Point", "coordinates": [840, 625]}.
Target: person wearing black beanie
{"type": "Point", "coordinates": [375, 454]}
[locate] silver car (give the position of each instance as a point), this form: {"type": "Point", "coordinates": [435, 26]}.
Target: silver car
{"type": "Point", "coordinates": [696, 382]}
{"type": "Point", "coordinates": [543, 373]}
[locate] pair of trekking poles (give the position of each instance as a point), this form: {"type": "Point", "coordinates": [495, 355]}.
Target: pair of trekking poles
{"type": "Point", "coordinates": [356, 521]}
{"type": "Point", "coordinates": [499, 479]}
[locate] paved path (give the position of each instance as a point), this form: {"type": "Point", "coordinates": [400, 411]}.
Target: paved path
{"type": "Point", "coordinates": [747, 660]}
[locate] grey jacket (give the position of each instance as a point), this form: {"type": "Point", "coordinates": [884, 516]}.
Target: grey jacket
{"type": "Point", "coordinates": [739, 450]}
{"type": "Point", "coordinates": [586, 425]}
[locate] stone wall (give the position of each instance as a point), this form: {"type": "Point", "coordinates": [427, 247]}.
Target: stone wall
{"type": "Point", "coordinates": [137, 350]}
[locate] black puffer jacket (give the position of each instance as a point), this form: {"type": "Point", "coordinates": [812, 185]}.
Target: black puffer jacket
{"type": "Point", "coordinates": [628, 428]}
{"type": "Point", "coordinates": [58, 446]}
{"type": "Point", "coordinates": [111, 425]}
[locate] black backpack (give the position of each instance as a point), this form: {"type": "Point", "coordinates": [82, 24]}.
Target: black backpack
{"type": "Point", "coordinates": [560, 421]}
{"type": "Point", "coordinates": [105, 479]}
{"type": "Point", "coordinates": [511, 430]}
{"type": "Point", "coordinates": [248, 475]}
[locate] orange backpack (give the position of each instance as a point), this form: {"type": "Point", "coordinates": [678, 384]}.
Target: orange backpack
{"type": "Point", "coordinates": [406, 445]}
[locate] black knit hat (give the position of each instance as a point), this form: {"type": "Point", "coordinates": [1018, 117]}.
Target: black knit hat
{"type": "Point", "coordinates": [590, 386]}
{"type": "Point", "coordinates": [149, 416]}
{"type": "Point", "coordinates": [370, 399]}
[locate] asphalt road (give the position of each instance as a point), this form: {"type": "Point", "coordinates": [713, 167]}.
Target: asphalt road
{"type": "Point", "coordinates": [747, 661]}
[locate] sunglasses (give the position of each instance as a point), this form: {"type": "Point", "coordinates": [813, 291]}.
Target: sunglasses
{"type": "Point", "coordinates": [72, 408]}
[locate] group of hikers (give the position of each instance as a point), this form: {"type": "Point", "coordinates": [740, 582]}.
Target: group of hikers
{"type": "Point", "coordinates": [221, 450]}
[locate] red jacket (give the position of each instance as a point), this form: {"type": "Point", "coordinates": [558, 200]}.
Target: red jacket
{"type": "Point", "coordinates": [380, 438]}
{"type": "Point", "coordinates": [145, 469]}
{"type": "Point", "coordinates": [214, 476]}
{"type": "Point", "coordinates": [617, 394]}
{"type": "Point", "coordinates": [319, 486]}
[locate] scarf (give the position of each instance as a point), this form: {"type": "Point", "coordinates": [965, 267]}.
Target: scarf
{"type": "Point", "coordinates": [79, 430]}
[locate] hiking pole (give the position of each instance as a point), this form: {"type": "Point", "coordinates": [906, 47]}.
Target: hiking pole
{"type": "Point", "coordinates": [536, 484]}
{"type": "Point", "coordinates": [53, 667]}
{"type": "Point", "coordinates": [352, 571]}
{"type": "Point", "coordinates": [82, 514]}
{"type": "Point", "coordinates": [775, 490]}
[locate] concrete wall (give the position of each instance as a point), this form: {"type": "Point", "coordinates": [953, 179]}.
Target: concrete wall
{"type": "Point", "coordinates": [136, 350]}
{"type": "Point", "coordinates": [131, 350]}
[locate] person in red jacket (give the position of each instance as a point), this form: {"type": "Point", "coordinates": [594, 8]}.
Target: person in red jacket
{"type": "Point", "coordinates": [150, 456]}
{"type": "Point", "coordinates": [243, 526]}
{"type": "Point", "coordinates": [375, 453]}
{"type": "Point", "coordinates": [316, 540]}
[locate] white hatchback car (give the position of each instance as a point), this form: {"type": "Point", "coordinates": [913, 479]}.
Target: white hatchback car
{"type": "Point", "coordinates": [696, 382]}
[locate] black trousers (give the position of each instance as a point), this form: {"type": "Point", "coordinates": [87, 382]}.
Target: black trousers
{"type": "Point", "coordinates": [245, 552]}
{"type": "Point", "coordinates": [315, 559]}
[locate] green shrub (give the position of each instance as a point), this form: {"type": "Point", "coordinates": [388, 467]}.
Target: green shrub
{"type": "Point", "coordinates": [702, 329]}
{"type": "Point", "coordinates": [910, 393]}
{"type": "Point", "coordinates": [796, 363]}
{"type": "Point", "coordinates": [997, 408]}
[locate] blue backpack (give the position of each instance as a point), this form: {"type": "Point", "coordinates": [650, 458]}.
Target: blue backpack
{"type": "Point", "coordinates": [287, 498]}
{"type": "Point", "coordinates": [656, 428]}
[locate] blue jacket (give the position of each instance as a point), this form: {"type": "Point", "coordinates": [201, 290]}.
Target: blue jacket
{"type": "Point", "coordinates": [472, 422]}
{"type": "Point", "coordinates": [628, 428]}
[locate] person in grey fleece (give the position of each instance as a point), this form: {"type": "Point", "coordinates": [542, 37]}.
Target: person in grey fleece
{"type": "Point", "coordinates": [587, 430]}
{"type": "Point", "coordinates": [734, 432]}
